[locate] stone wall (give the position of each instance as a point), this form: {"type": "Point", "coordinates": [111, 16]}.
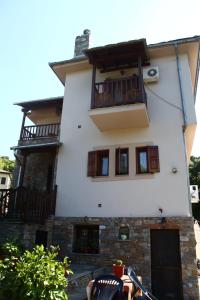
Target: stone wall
{"type": "Point", "coordinates": [24, 233]}
{"type": "Point", "coordinates": [37, 170]}
{"type": "Point", "coordinates": [82, 43]}
{"type": "Point", "coordinates": [136, 250]}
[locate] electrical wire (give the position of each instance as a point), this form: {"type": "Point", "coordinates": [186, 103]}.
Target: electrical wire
{"type": "Point", "coordinates": [163, 99]}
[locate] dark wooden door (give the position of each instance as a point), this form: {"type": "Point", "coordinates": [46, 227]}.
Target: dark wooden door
{"type": "Point", "coordinates": [166, 264]}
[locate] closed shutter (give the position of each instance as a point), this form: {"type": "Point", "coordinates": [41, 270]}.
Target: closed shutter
{"type": "Point", "coordinates": [153, 159]}
{"type": "Point", "coordinates": [92, 164]}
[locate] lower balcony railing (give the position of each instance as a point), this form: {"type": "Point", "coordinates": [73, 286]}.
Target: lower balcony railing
{"type": "Point", "coordinates": [40, 131]}
{"type": "Point", "coordinates": [27, 205]}
{"type": "Point", "coordinates": [113, 92]}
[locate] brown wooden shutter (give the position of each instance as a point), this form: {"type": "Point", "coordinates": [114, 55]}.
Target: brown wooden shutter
{"type": "Point", "coordinates": [117, 161]}
{"type": "Point", "coordinates": [92, 164]}
{"type": "Point", "coordinates": [153, 159]}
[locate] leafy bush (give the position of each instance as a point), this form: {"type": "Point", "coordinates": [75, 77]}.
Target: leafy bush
{"type": "Point", "coordinates": [36, 275]}
{"type": "Point", "coordinates": [12, 247]}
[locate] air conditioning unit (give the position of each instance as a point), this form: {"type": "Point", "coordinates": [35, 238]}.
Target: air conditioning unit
{"type": "Point", "coordinates": [194, 193]}
{"type": "Point", "coordinates": [150, 74]}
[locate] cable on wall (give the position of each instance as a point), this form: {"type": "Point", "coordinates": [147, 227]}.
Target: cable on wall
{"type": "Point", "coordinates": [163, 99]}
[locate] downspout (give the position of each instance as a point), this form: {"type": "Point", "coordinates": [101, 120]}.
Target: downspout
{"type": "Point", "coordinates": [180, 84]}
{"type": "Point", "coordinates": [197, 74]}
{"type": "Point", "coordinates": [184, 121]}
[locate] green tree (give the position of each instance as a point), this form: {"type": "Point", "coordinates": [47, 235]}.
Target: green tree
{"type": "Point", "coordinates": [194, 171]}
{"type": "Point", "coordinates": [6, 164]}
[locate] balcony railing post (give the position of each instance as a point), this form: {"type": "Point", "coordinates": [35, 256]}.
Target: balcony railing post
{"type": "Point", "coordinates": [93, 87]}
{"type": "Point", "coordinates": [40, 131]}
{"type": "Point", "coordinates": [112, 92]}
{"type": "Point", "coordinates": [23, 122]}
{"type": "Point", "coordinates": [141, 86]}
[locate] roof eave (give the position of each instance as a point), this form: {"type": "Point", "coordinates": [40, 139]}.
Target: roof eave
{"type": "Point", "coordinates": [39, 101]}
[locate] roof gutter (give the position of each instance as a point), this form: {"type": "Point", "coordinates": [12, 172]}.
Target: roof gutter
{"type": "Point", "coordinates": [173, 42]}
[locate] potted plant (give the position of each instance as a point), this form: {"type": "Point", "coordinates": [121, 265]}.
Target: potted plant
{"type": "Point", "coordinates": [118, 268]}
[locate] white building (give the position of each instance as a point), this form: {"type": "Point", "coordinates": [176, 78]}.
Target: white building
{"type": "Point", "coordinates": [119, 156]}
{"type": "Point", "coordinates": [5, 180]}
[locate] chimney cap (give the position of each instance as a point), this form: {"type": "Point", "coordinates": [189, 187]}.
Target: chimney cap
{"type": "Point", "coordinates": [86, 31]}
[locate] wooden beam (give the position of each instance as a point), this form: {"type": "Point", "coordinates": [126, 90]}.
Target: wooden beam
{"type": "Point", "coordinates": [105, 69]}
{"type": "Point", "coordinates": [93, 87]}
{"type": "Point", "coordinates": [23, 122]}
{"type": "Point", "coordinates": [140, 76]}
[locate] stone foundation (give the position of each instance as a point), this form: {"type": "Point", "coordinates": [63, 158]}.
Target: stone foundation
{"type": "Point", "coordinates": [24, 233]}
{"type": "Point", "coordinates": [135, 251]}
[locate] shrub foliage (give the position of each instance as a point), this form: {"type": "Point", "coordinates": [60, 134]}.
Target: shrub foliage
{"type": "Point", "coordinates": [35, 275]}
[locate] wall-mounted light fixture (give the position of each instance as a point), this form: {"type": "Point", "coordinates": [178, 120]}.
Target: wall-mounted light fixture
{"type": "Point", "coordinates": [162, 218]}
{"type": "Point", "coordinates": [174, 170]}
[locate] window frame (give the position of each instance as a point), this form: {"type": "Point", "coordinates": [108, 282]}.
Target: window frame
{"type": "Point", "coordinates": [153, 161]}
{"type": "Point", "coordinates": [95, 163]}
{"type": "Point", "coordinates": [138, 165]}
{"type": "Point", "coordinates": [100, 155]}
{"type": "Point", "coordinates": [3, 180]}
{"type": "Point", "coordinates": [118, 152]}
{"type": "Point", "coordinates": [78, 242]}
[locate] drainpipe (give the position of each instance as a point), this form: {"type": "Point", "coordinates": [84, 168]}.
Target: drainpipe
{"type": "Point", "coordinates": [180, 85]}
{"type": "Point", "coordinates": [184, 120]}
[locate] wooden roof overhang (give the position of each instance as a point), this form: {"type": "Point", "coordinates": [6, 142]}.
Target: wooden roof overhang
{"type": "Point", "coordinates": [119, 56]}
{"type": "Point", "coordinates": [39, 147]}
{"type": "Point", "coordinates": [42, 103]}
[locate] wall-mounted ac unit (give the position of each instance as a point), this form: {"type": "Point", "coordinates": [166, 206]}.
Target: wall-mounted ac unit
{"type": "Point", "coordinates": [151, 74]}
{"type": "Point", "coordinates": [194, 193]}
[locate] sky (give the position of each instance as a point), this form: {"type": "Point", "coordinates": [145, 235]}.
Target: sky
{"type": "Point", "coordinates": [36, 32]}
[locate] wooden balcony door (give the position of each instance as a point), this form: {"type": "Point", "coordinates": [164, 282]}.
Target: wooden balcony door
{"type": "Point", "coordinates": [166, 264]}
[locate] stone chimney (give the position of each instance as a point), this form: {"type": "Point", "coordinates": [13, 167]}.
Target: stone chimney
{"type": "Point", "coordinates": [82, 43]}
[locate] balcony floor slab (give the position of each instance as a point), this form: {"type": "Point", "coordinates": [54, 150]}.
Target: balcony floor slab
{"type": "Point", "coordinates": [120, 117]}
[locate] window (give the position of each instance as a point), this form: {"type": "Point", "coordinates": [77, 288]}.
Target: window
{"type": "Point", "coordinates": [3, 180]}
{"type": "Point", "coordinates": [41, 238]}
{"type": "Point", "coordinates": [147, 160]}
{"type": "Point", "coordinates": [98, 163]}
{"type": "Point", "coordinates": [86, 239]}
{"type": "Point", "coordinates": [121, 161]}
{"type": "Point", "coordinates": [124, 233]}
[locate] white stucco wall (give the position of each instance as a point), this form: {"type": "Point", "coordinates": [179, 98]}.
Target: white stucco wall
{"type": "Point", "coordinates": [44, 116]}
{"type": "Point", "coordinates": [79, 195]}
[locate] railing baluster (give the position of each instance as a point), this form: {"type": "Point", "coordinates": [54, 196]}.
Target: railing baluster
{"type": "Point", "coordinates": [119, 92]}
{"type": "Point", "coordinates": [40, 131]}
{"type": "Point", "coordinates": [27, 205]}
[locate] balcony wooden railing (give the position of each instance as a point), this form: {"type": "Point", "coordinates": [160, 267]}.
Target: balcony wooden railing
{"type": "Point", "coordinates": [40, 131]}
{"type": "Point", "coordinates": [113, 92]}
{"type": "Point", "coordinates": [27, 205]}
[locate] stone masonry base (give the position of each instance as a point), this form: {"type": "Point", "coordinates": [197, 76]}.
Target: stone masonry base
{"type": "Point", "coordinates": [136, 251]}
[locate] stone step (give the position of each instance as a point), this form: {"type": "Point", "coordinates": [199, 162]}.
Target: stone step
{"type": "Point", "coordinates": [78, 294]}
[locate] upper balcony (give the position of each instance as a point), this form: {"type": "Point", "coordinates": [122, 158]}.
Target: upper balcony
{"type": "Point", "coordinates": [35, 132]}
{"type": "Point", "coordinates": [119, 102]}
{"type": "Point", "coordinates": [43, 118]}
